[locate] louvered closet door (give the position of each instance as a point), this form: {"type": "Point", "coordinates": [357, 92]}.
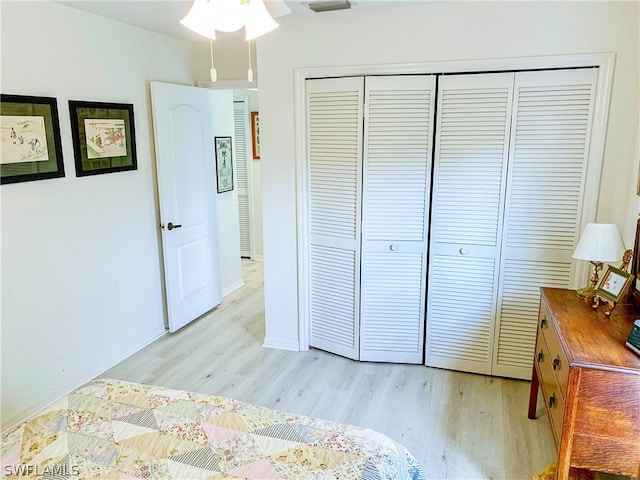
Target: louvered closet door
{"type": "Point", "coordinates": [474, 113]}
{"type": "Point", "coordinates": [396, 189]}
{"type": "Point", "coordinates": [243, 164]}
{"type": "Point", "coordinates": [548, 155]}
{"type": "Point", "coordinates": [334, 139]}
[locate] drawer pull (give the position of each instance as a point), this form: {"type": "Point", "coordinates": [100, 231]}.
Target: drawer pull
{"type": "Point", "coordinates": [540, 356]}
{"type": "Point", "coordinates": [543, 322]}
{"type": "Point", "coordinates": [552, 400]}
{"type": "Point", "coordinates": [556, 362]}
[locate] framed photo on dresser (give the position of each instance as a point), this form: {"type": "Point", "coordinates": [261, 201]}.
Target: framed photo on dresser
{"type": "Point", "coordinates": [634, 288]}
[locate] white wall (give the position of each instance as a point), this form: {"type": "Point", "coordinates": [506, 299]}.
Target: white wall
{"type": "Point", "coordinates": [81, 282]}
{"type": "Point", "coordinates": [439, 31]}
{"type": "Point", "coordinates": [231, 57]}
{"type": "Point", "coordinates": [227, 202]}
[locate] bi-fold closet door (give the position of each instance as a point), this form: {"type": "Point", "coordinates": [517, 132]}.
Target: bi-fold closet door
{"type": "Point", "coordinates": [369, 152]}
{"type": "Point", "coordinates": [509, 173]}
{"type": "Point", "coordinates": [510, 160]}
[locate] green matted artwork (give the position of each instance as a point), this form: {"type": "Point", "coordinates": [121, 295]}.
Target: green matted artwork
{"type": "Point", "coordinates": [30, 147]}
{"type": "Point", "coordinates": [103, 137]}
{"type": "Point", "coordinates": [224, 164]}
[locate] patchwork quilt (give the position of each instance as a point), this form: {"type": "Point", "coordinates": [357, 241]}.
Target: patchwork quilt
{"type": "Point", "coordinates": [111, 429]}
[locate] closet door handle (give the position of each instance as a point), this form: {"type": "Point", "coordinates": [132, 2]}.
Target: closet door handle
{"type": "Point", "coordinates": [463, 251]}
{"type": "Point", "coordinates": [393, 247]}
{"type": "Point", "coordinates": [540, 356]}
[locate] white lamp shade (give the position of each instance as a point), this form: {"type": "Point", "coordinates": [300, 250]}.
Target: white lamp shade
{"type": "Point", "coordinates": [228, 15]}
{"type": "Point", "coordinates": [600, 242]}
{"type": "Point", "coordinates": [198, 19]}
{"type": "Point", "coordinates": [258, 21]}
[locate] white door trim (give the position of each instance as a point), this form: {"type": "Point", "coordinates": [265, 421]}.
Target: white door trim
{"type": "Point", "coordinates": [604, 61]}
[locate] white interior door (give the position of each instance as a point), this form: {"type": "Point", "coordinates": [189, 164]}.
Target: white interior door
{"type": "Point", "coordinates": [334, 142]}
{"type": "Point", "coordinates": [398, 135]}
{"type": "Point", "coordinates": [472, 145]}
{"type": "Point", "coordinates": [548, 156]}
{"type": "Point", "coordinates": [187, 192]}
{"type": "Point", "coordinates": [243, 175]}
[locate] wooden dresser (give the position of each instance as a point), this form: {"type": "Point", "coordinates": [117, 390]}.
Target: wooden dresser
{"type": "Point", "coordinates": [591, 384]}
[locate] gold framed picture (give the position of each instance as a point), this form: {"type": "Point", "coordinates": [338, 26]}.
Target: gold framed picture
{"type": "Point", "coordinates": [612, 287]}
{"type": "Point", "coordinates": [255, 135]}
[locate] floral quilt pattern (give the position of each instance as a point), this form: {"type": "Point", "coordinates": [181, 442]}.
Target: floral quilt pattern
{"type": "Point", "coordinates": [111, 429]}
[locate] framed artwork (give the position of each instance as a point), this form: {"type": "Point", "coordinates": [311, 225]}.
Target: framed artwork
{"type": "Point", "coordinates": [634, 288]}
{"type": "Point", "coordinates": [104, 138]}
{"type": "Point", "coordinates": [30, 147]}
{"type": "Point", "coordinates": [612, 287]}
{"type": "Point", "coordinates": [638, 184]}
{"type": "Point", "coordinates": [224, 164]}
{"type": "Point", "coordinates": [255, 134]}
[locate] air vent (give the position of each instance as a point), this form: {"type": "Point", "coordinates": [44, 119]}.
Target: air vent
{"type": "Point", "coordinates": [329, 5]}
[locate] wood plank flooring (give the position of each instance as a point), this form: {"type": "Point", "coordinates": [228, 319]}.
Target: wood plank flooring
{"type": "Point", "coordinates": [458, 425]}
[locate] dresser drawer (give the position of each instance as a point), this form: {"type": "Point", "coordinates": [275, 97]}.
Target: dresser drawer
{"type": "Point", "coordinates": [558, 359]}
{"type": "Point", "coordinates": [554, 401]}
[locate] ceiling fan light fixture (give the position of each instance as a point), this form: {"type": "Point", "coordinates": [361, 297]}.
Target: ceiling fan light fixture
{"type": "Point", "coordinates": [197, 19]}
{"type": "Point", "coordinates": [207, 16]}
{"type": "Point", "coordinates": [228, 15]}
{"type": "Point", "coordinates": [258, 20]}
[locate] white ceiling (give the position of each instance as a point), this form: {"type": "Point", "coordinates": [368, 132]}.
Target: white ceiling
{"type": "Point", "coordinates": [163, 16]}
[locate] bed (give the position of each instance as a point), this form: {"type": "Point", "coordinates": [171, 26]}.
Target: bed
{"type": "Point", "coordinates": [113, 429]}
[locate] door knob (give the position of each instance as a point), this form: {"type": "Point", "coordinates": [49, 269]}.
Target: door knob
{"type": "Point", "coordinates": [171, 226]}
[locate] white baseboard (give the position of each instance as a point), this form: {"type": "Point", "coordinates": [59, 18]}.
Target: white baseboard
{"type": "Point", "coordinates": [280, 344]}
{"type": "Point", "coordinates": [80, 379]}
{"type": "Point", "coordinates": [232, 288]}
{"type": "Point", "coordinates": [258, 258]}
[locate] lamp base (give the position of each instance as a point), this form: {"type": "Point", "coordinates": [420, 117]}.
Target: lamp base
{"type": "Point", "coordinates": [588, 293]}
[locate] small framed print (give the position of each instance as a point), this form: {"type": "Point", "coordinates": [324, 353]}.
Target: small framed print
{"type": "Point", "coordinates": [224, 164]}
{"type": "Point", "coordinates": [255, 135]}
{"type": "Point", "coordinates": [30, 147]}
{"type": "Point", "coordinates": [634, 289]}
{"type": "Point", "coordinates": [103, 137]}
{"type": "Point", "coordinates": [612, 287]}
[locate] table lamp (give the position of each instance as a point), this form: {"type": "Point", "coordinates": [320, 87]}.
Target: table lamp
{"type": "Point", "coordinates": [599, 243]}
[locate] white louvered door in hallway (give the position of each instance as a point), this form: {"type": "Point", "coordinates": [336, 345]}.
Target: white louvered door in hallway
{"type": "Point", "coordinates": [243, 172]}
{"type": "Point", "coordinates": [395, 211]}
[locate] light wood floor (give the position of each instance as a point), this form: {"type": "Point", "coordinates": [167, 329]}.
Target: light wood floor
{"type": "Point", "coordinates": [458, 425]}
